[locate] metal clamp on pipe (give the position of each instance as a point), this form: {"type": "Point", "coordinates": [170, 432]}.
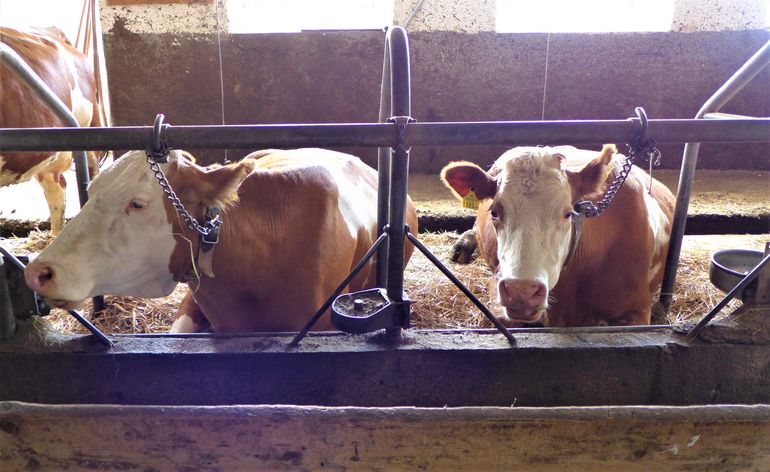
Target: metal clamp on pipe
{"type": "Point", "coordinates": [401, 122]}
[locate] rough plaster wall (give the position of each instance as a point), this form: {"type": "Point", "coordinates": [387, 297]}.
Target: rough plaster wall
{"type": "Point", "coordinates": [719, 15]}
{"type": "Point", "coordinates": [163, 18]}
{"type": "Point", "coordinates": [462, 16]}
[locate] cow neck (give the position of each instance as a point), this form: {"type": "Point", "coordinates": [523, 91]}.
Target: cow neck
{"type": "Point", "coordinates": [197, 261]}
{"type": "Point", "coordinates": [578, 218]}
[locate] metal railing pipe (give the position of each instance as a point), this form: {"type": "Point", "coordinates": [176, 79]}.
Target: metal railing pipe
{"type": "Point", "coordinates": [28, 76]}
{"type": "Point", "coordinates": [383, 170]}
{"type": "Point", "coordinates": [664, 131]}
{"type": "Point", "coordinates": [400, 109]}
{"type": "Point", "coordinates": [727, 91]}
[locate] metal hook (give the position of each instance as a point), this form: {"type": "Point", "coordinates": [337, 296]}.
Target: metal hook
{"type": "Point", "coordinates": [642, 115]}
{"type": "Point", "coordinates": [158, 149]}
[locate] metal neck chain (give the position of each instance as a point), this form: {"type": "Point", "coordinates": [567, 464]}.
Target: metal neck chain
{"type": "Point", "coordinates": [192, 223]}
{"type": "Point", "coordinates": [637, 148]}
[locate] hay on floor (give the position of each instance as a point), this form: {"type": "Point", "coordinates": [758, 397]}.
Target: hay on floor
{"type": "Point", "coordinates": [438, 304]}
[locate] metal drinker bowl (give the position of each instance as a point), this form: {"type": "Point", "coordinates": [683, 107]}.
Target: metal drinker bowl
{"type": "Point", "coordinates": [362, 312]}
{"type": "Point", "coordinates": [730, 266]}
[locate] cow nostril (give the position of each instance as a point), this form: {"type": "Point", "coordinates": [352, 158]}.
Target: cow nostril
{"type": "Point", "coordinates": [45, 275]}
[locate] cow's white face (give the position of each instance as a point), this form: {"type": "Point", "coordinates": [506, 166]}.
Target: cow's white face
{"type": "Point", "coordinates": [120, 242]}
{"type": "Point", "coordinates": [530, 201]}
{"type": "Point", "coordinates": [123, 239]}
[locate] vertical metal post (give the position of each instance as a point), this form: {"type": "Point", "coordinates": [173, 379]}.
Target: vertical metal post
{"type": "Point", "coordinates": [383, 170]}
{"type": "Point", "coordinates": [7, 317]}
{"type": "Point", "coordinates": [727, 91]}
{"type": "Point", "coordinates": [400, 91]}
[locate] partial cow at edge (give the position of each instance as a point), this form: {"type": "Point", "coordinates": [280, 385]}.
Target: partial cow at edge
{"type": "Point", "coordinates": [69, 74]}
{"type": "Point", "coordinates": [523, 230]}
{"type": "Point", "coordinates": [294, 225]}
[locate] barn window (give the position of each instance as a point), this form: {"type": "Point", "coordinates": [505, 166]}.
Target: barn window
{"type": "Point", "coordinates": [585, 16]}
{"type": "Point", "coordinates": [64, 14]}
{"type": "Point", "coordinates": [288, 16]}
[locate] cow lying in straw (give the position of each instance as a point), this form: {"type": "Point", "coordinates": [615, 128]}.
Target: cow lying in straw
{"type": "Point", "coordinates": [294, 224]}
{"type": "Point", "coordinates": [523, 230]}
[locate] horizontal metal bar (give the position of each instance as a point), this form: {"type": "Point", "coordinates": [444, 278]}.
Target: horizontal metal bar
{"type": "Point", "coordinates": [718, 115]}
{"type": "Point", "coordinates": [386, 134]}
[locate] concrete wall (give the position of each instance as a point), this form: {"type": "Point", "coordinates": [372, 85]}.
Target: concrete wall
{"type": "Point", "coordinates": [172, 65]}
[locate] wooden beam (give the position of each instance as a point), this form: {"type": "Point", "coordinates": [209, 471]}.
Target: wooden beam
{"type": "Point", "coordinates": [599, 439]}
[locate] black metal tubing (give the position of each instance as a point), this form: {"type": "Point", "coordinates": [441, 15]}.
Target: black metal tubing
{"type": "Point", "coordinates": [383, 169]}
{"type": "Point", "coordinates": [400, 111]}
{"type": "Point", "coordinates": [724, 94]}
{"type": "Point", "coordinates": [426, 252]}
{"type": "Point", "coordinates": [386, 134]}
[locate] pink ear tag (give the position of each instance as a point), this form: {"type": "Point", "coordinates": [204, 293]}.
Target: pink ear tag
{"type": "Point", "coordinates": [471, 201]}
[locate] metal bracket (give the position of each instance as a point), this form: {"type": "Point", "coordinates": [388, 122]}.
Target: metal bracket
{"type": "Point", "coordinates": [210, 239]}
{"type": "Point", "coordinates": [401, 122]}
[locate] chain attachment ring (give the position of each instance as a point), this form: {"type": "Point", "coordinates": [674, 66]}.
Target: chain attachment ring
{"type": "Point", "coordinates": [157, 153]}
{"type": "Point", "coordinates": [641, 145]}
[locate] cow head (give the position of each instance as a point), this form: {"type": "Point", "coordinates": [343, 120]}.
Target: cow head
{"type": "Point", "coordinates": [122, 240]}
{"type": "Point", "coordinates": [528, 195]}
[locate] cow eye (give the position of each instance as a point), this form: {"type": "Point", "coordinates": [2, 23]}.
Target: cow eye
{"type": "Point", "coordinates": [136, 205]}
{"type": "Point", "coordinates": [494, 212]}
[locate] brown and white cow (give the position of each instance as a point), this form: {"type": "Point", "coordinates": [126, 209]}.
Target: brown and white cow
{"type": "Point", "coordinates": [523, 230]}
{"type": "Point", "coordinates": [294, 224]}
{"type": "Point", "coordinates": [69, 74]}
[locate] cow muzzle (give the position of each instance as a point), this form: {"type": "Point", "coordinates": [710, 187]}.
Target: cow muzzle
{"type": "Point", "coordinates": [524, 301]}
{"type": "Point", "coordinates": [43, 279]}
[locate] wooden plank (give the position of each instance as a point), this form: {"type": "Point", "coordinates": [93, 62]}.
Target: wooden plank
{"type": "Point", "coordinates": [111, 437]}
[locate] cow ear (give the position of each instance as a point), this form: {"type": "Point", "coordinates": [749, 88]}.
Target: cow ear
{"type": "Point", "coordinates": [591, 177]}
{"type": "Point", "coordinates": [215, 186]}
{"type": "Point", "coordinates": [219, 186]}
{"type": "Point", "coordinates": [464, 177]}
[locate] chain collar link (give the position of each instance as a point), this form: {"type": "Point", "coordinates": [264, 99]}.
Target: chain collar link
{"type": "Point", "coordinates": [211, 227]}
{"type": "Point", "coordinates": [642, 145]}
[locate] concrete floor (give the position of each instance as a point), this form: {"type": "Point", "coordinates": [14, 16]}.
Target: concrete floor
{"type": "Point", "coordinates": [742, 193]}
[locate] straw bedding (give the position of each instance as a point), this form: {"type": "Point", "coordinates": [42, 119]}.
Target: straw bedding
{"type": "Point", "coordinates": [437, 303]}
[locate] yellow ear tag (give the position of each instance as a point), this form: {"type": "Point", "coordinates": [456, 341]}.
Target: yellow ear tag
{"type": "Point", "coordinates": [471, 201]}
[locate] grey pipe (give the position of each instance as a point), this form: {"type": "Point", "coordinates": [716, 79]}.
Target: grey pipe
{"type": "Point", "coordinates": [383, 170]}
{"type": "Point", "coordinates": [755, 130]}
{"type": "Point", "coordinates": [400, 108]}
{"type": "Point", "coordinates": [724, 94]}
